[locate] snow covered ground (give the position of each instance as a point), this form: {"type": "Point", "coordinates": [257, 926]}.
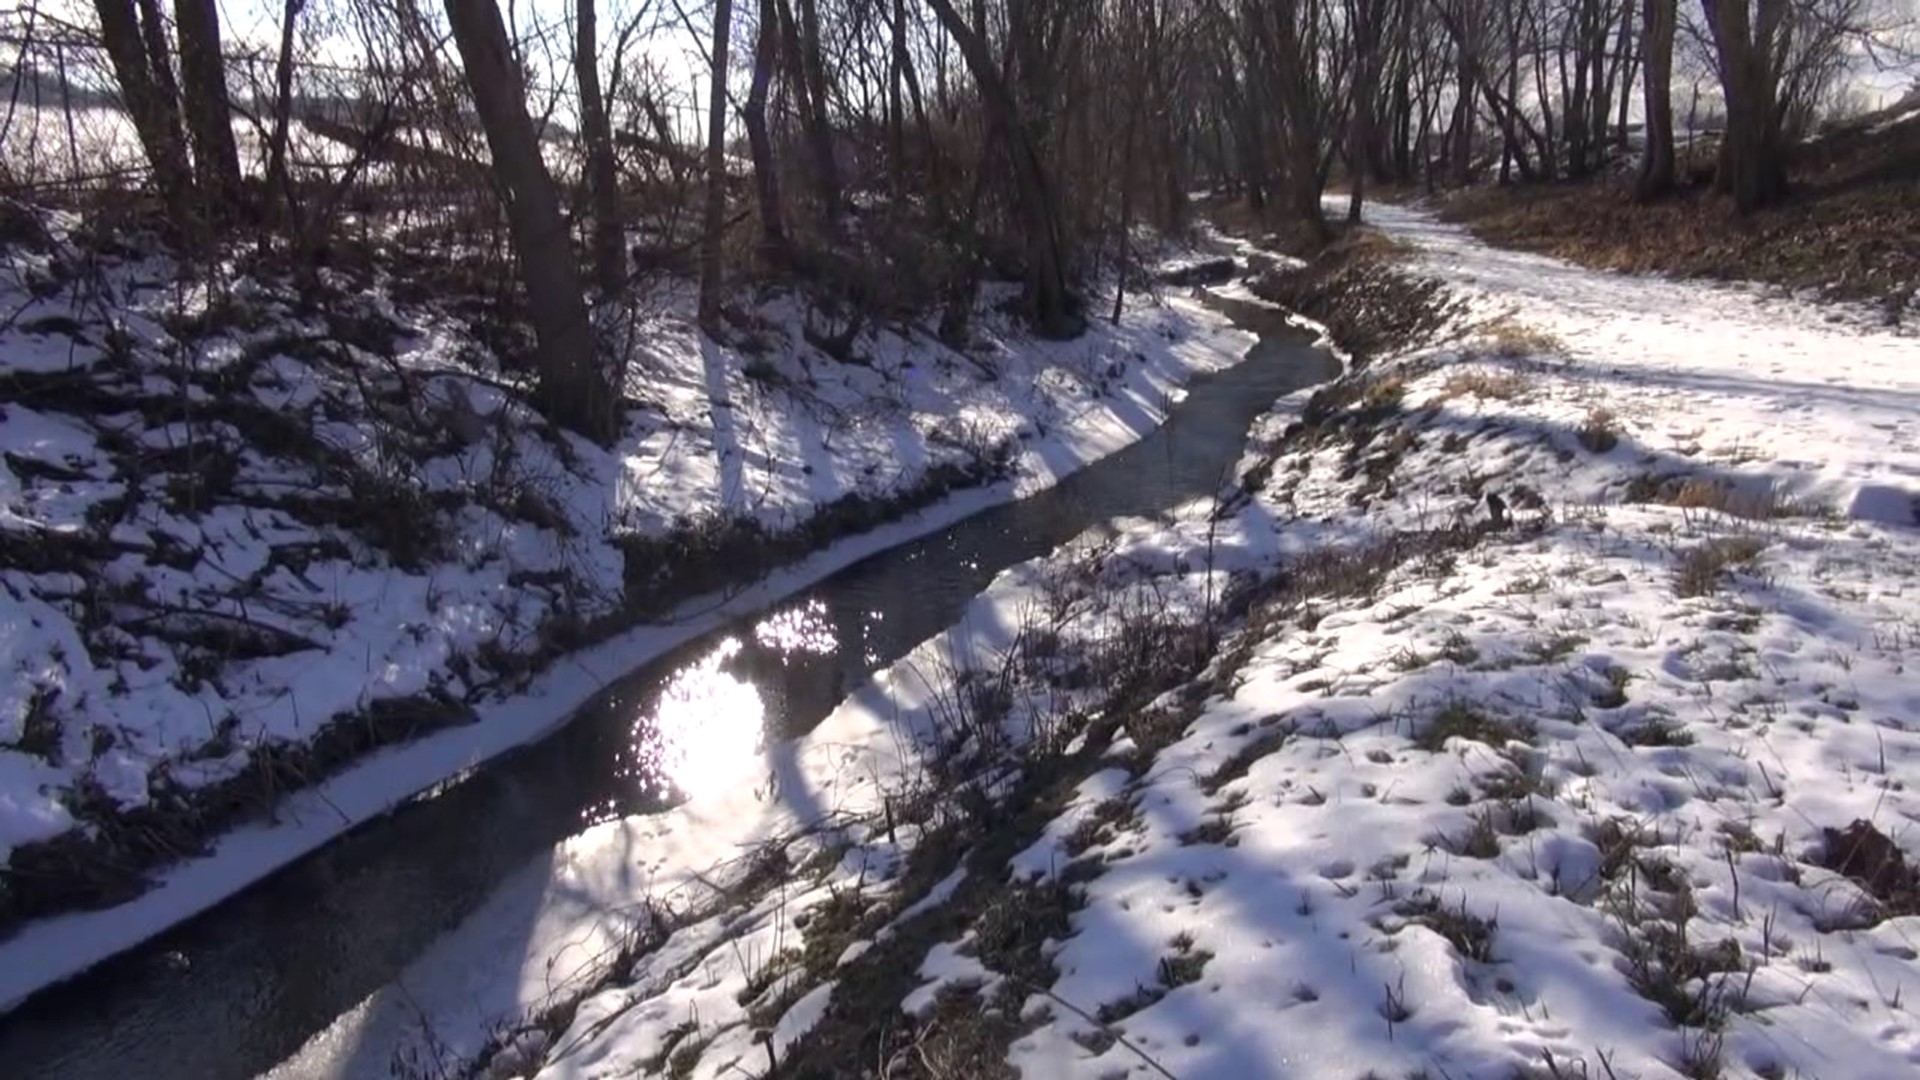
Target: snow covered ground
{"type": "Point", "coordinates": [228, 523]}
{"type": "Point", "coordinates": [52, 145]}
{"type": "Point", "coordinates": [1597, 783]}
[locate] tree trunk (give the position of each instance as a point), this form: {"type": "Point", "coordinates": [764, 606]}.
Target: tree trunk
{"type": "Point", "coordinates": [1249, 148]}
{"type": "Point", "coordinates": [279, 182]}
{"type": "Point", "coordinates": [1659, 20]}
{"type": "Point", "coordinates": [803, 46]}
{"type": "Point", "coordinates": [1401, 140]}
{"type": "Point", "coordinates": [1626, 70]}
{"type": "Point", "coordinates": [155, 112]}
{"type": "Point", "coordinates": [897, 61]}
{"type": "Point", "coordinates": [1752, 165]}
{"type": "Point", "coordinates": [1360, 124]}
{"type": "Point", "coordinates": [572, 389]}
{"type": "Point", "coordinates": [716, 212]}
{"type": "Point", "coordinates": [1623, 73]}
{"type": "Point", "coordinates": [153, 34]}
{"type": "Point", "coordinates": [1288, 61]}
{"type": "Point", "coordinates": [1510, 148]}
{"type": "Point", "coordinates": [1126, 210]}
{"type": "Point", "coordinates": [203, 78]}
{"type": "Point", "coordinates": [1574, 93]}
{"type": "Point", "coordinates": [816, 70]}
{"type": "Point", "coordinates": [766, 185]}
{"type": "Point", "coordinates": [603, 175]}
{"type": "Point", "coordinates": [1461, 152]}
{"type": "Point", "coordinates": [1051, 305]}
{"type": "Point", "coordinates": [930, 165]}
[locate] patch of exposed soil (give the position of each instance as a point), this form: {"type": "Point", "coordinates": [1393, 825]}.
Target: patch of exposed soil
{"type": "Point", "coordinates": [1871, 858]}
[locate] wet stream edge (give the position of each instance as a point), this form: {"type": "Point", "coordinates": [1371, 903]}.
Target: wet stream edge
{"type": "Point", "coordinates": [279, 961]}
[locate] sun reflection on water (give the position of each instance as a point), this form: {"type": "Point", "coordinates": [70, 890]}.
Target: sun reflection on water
{"type": "Point", "coordinates": [708, 724]}
{"type": "Point", "coordinates": [705, 732]}
{"type": "Point", "coordinates": [803, 629]}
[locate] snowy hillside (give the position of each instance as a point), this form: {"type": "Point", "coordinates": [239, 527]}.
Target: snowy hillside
{"type": "Point", "coordinates": [1562, 727]}
{"type": "Point", "coordinates": [244, 542]}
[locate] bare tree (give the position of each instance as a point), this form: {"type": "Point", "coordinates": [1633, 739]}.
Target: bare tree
{"type": "Point", "coordinates": [715, 223]}
{"type": "Point", "coordinates": [279, 180]}
{"type": "Point", "coordinates": [817, 114]}
{"type": "Point", "coordinates": [766, 183]}
{"type": "Point", "coordinates": [572, 389]}
{"type": "Point", "coordinates": [1659, 19]}
{"type": "Point", "coordinates": [603, 176]}
{"type": "Point", "coordinates": [1050, 303]}
{"type": "Point", "coordinates": [1364, 19]}
{"type": "Point", "coordinates": [153, 34]}
{"type": "Point", "coordinates": [203, 77]}
{"type": "Point", "coordinates": [1746, 38]}
{"type": "Point", "coordinates": [1281, 55]}
{"type": "Point", "coordinates": [146, 90]}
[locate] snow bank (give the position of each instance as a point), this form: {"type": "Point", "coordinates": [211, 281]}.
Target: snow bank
{"type": "Point", "coordinates": [1547, 784]}
{"type": "Point", "coordinates": [226, 522]}
{"type": "Point", "coordinates": [1472, 820]}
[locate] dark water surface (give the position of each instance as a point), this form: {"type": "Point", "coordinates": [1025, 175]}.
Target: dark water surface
{"type": "Point", "coordinates": [238, 989]}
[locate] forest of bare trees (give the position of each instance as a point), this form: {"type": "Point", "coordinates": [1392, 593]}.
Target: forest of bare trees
{"type": "Point", "coordinates": [893, 154]}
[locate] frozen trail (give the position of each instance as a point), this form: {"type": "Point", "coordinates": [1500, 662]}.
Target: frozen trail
{"type": "Point", "coordinates": [1832, 399]}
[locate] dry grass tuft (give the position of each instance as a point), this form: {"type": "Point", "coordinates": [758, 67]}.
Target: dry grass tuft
{"type": "Point", "coordinates": [1727, 499]}
{"type": "Point", "coordinates": [1488, 383]}
{"type": "Point", "coordinates": [1372, 244]}
{"type": "Point", "coordinates": [1701, 569]}
{"type": "Point", "coordinates": [1463, 720]}
{"type": "Point", "coordinates": [1384, 394]}
{"type": "Point", "coordinates": [1600, 432]}
{"type": "Point", "coordinates": [1511, 339]}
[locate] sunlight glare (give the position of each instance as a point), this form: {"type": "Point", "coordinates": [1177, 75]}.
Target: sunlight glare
{"type": "Point", "coordinates": [801, 629]}
{"type": "Point", "coordinates": [705, 734]}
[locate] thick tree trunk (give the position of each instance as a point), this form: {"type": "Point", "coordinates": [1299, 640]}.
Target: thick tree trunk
{"type": "Point", "coordinates": [766, 185]}
{"type": "Point", "coordinates": [153, 33]}
{"type": "Point", "coordinates": [1277, 30]}
{"type": "Point", "coordinates": [1659, 19]}
{"type": "Point", "coordinates": [203, 78]}
{"type": "Point", "coordinates": [808, 83]}
{"type": "Point", "coordinates": [897, 62]}
{"type": "Point", "coordinates": [820, 132]}
{"type": "Point", "coordinates": [716, 211]}
{"type": "Point", "coordinates": [1051, 305]}
{"type": "Point", "coordinates": [1360, 122]}
{"type": "Point", "coordinates": [603, 175]}
{"type": "Point", "coordinates": [1460, 155]}
{"type": "Point", "coordinates": [155, 111]}
{"type": "Point", "coordinates": [572, 389]}
{"type": "Point", "coordinates": [1752, 163]}
{"type": "Point", "coordinates": [1250, 152]}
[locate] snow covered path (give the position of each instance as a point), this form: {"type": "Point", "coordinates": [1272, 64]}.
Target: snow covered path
{"type": "Point", "coordinates": [1615, 781]}
{"type": "Point", "coordinates": [1813, 399]}
{"type": "Point", "coordinates": [1564, 803]}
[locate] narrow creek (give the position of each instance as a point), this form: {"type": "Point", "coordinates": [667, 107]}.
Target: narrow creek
{"type": "Point", "coordinates": [238, 989]}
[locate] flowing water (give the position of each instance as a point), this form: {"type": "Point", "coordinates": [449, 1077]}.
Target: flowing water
{"type": "Point", "coordinates": [238, 989]}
